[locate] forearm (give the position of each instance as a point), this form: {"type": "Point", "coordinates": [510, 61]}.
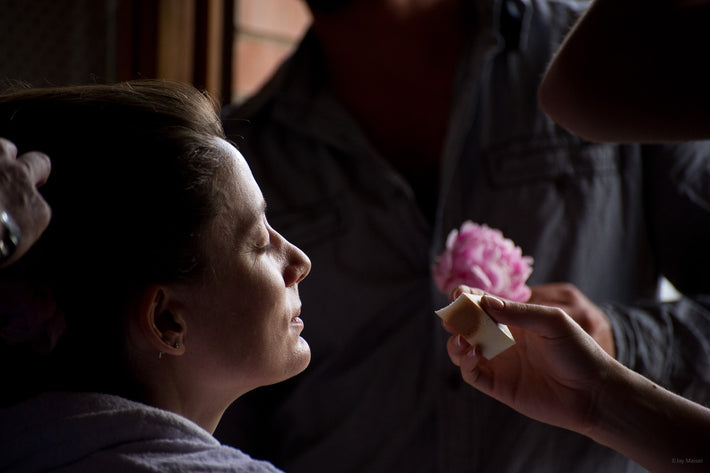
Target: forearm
{"type": "Point", "coordinates": [654, 427]}
{"type": "Point", "coordinates": [627, 68]}
{"type": "Point", "coordinates": [556, 373]}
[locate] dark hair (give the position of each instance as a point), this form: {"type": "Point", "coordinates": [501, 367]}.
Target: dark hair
{"type": "Point", "coordinates": [131, 190]}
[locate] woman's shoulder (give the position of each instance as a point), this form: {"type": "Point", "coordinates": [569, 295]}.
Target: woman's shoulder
{"type": "Point", "coordinates": [77, 432]}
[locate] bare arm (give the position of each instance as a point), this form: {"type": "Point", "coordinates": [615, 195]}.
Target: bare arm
{"type": "Point", "coordinates": [633, 71]}
{"type": "Point", "coordinates": [557, 374]}
{"type": "Point", "coordinates": [654, 427]}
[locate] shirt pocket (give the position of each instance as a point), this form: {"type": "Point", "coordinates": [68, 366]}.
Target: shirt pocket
{"type": "Point", "coordinates": [553, 158]}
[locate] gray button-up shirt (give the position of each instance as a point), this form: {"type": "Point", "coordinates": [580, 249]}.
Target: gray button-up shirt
{"type": "Point", "coordinates": [381, 394]}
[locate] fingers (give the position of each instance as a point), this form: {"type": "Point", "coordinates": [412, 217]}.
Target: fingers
{"type": "Point", "coordinates": [546, 321]}
{"type": "Point", "coordinates": [457, 347]}
{"type": "Point", "coordinates": [448, 328]}
{"type": "Point", "coordinates": [471, 370]}
{"type": "Point", "coordinates": [467, 358]}
{"type": "Point", "coordinates": [543, 320]}
{"type": "Point", "coordinates": [19, 197]}
{"type": "Point", "coordinates": [8, 150]}
{"type": "Point", "coordinates": [465, 289]}
{"type": "Point", "coordinates": [38, 166]}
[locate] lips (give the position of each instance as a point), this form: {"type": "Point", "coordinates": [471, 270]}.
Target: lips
{"type": "Point", "coordinates": [296, 319]}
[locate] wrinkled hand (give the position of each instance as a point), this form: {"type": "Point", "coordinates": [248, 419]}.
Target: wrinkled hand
{"type": "Point", "coordinates": [19, 179]}
{"type": "Point", "coordinates": [570, 299]}
{"type": "Point", "coordinates": [554, 373]}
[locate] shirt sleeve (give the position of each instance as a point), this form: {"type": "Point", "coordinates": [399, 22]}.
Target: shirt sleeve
{"type": "Point", "coordinates": [667, 342]}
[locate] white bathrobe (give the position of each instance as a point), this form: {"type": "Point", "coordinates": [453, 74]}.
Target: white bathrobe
{"type": "Point", "coordinates": [98, 433]}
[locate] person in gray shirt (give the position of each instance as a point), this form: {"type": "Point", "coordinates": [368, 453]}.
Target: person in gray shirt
{"type": "Point", "coordinates": [391, 124]}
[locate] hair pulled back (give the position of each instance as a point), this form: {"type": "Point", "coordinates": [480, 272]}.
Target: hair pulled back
{"type": "Point", "coordinates": [131, 190]}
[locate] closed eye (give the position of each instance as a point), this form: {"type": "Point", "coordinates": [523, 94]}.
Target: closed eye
{"type": "Point", "coordinates": [264, 249]}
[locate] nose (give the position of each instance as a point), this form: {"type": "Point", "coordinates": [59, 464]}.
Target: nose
{"type": "Point", "coordinates": [297, 265]}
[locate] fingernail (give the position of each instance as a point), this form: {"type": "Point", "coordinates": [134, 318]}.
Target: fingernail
{"type": "Point", "coordinates": [459, 341]}
{"type": "Point", "coordinates": [493, 302]}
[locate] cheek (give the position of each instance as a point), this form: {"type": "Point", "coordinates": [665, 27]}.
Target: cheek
{"type": "Point", "coordinates": [257, 321]}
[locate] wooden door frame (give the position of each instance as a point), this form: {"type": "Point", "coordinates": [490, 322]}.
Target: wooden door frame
{"type": "Point", "coordinates": [183, 40]}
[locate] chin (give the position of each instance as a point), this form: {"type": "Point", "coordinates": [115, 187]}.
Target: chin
{"type": "Point", "coordinates": [302, 356]}
{"type": "Point", "coordinates": [295, 363]}
{"type": "Point", "coordinates": [299, 360]}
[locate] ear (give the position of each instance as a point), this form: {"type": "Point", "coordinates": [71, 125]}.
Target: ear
{"type": "Point", "coordinates": [161, 322]}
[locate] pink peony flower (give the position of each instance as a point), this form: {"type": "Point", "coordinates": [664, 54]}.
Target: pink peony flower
{"type": "Point", "coordinates": [481, 257]}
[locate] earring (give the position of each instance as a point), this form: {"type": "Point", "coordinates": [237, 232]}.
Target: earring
{"type": "Point", "coordinates": [176, 345]}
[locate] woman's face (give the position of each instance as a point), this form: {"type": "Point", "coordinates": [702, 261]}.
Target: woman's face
{"type": "Point", "coordinates": [245, 328]}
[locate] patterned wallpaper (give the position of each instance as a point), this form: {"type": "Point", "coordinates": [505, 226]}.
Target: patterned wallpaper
{"type": "Point", "coordinates": [56, 42]}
